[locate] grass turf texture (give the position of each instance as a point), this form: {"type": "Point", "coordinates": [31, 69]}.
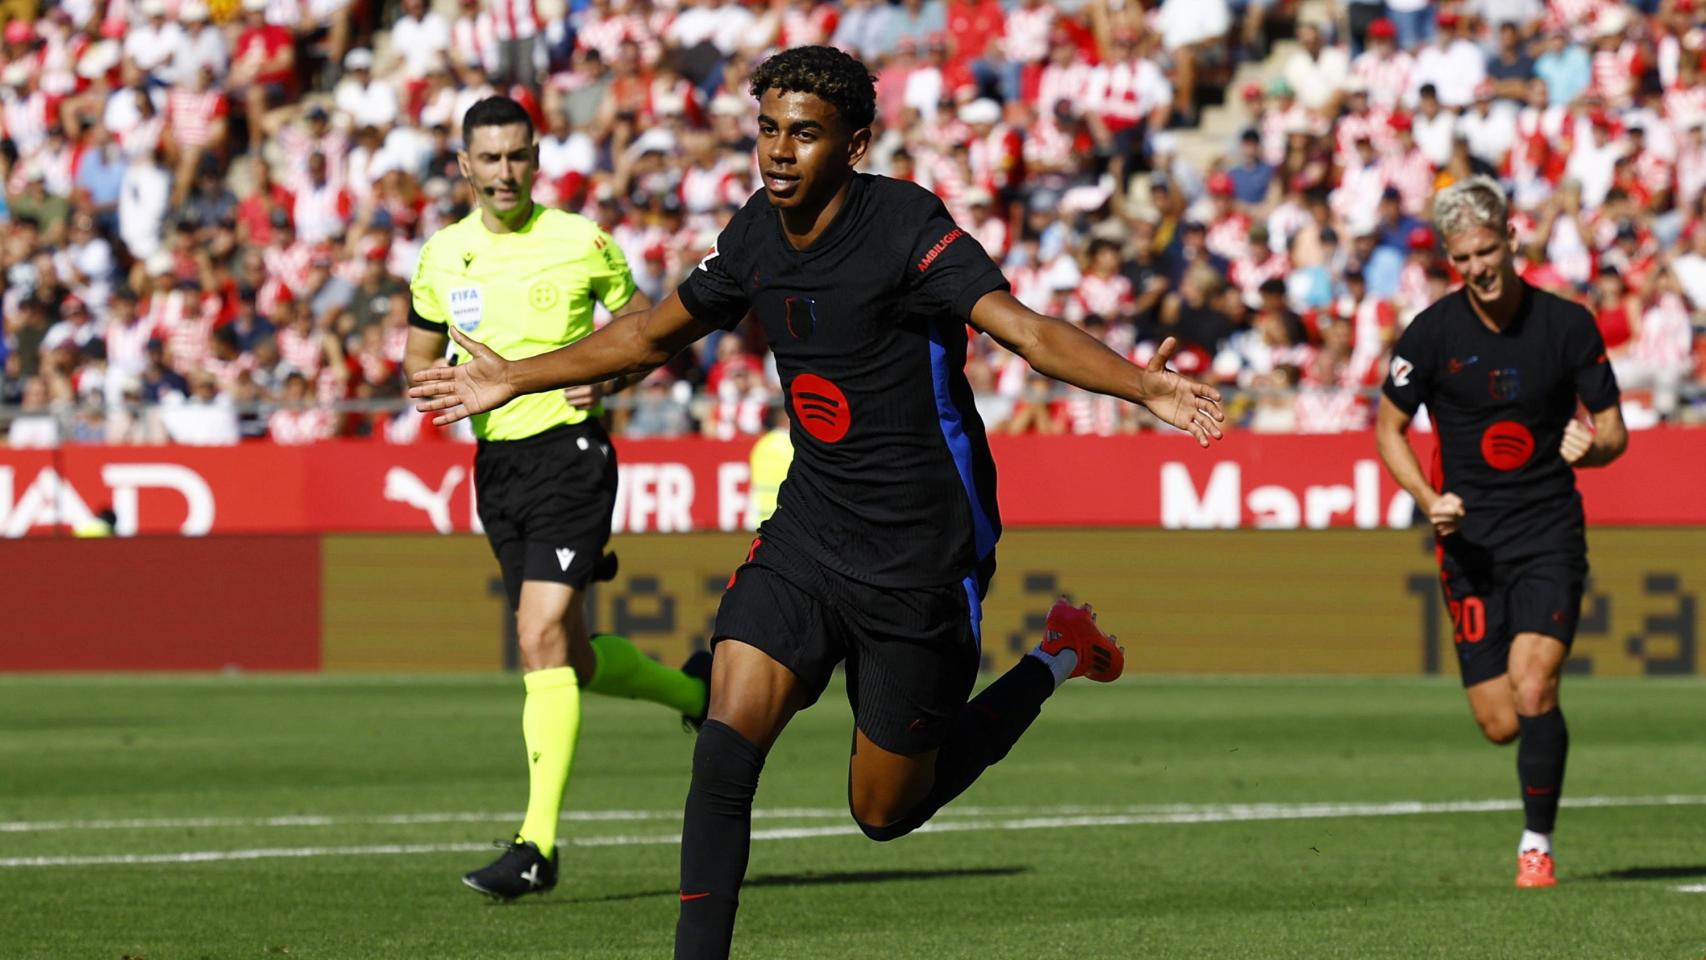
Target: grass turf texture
{"type": "Point", "coordinates": [1427, 885]}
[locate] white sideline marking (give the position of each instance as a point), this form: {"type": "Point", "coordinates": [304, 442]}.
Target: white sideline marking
{"type": "Point", "coordinates": [1691, 888]}
{"type": "Point", "coordinates": [949, 821]}
{"type": "Point", "coordinates": [1167, 812]}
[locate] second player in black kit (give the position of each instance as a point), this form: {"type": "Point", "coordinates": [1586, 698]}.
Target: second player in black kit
{"type": "Point", "coordinates": [1502, 367]}
{"type": "Point", "coordinates": [883, 540]}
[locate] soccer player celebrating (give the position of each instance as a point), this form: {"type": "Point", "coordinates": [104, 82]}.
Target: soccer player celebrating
{"type": "Point", "coordinates": [883, 539]}
{"type": "Point", "coordinates": [525, 278]}
{"type": "Point", "coordinates": [1500, 366]}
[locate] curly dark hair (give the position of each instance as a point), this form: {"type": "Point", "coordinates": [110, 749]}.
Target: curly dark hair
{"type": "Point", "coordinates": [835, 77]}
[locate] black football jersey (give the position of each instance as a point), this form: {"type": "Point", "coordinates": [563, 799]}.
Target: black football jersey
{"type": "Point", "coordinates": [892, 483]}
{"type": "Point", "coordinates": [1499, 401]}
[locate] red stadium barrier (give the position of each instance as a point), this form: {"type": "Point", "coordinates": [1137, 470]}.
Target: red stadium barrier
{"type": "Point", "coordinates": [1148, 480]}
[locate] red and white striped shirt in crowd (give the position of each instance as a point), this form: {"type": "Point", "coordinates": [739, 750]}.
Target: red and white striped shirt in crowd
{"type": "Point", "coordinates": [1358, 191]}
{"type": "Point", "coordinates": [191, 116]}
{"type": "Point", "coordinates": [1331, 408]}
{"type": "Point", "coordinates": [1029, 284]}
{"type": "Point", "coordinates": [26, 118]}
{"type": "Point", "coordinates": [1413, 175]}
{"type": "Point", "coordinates": [1615, 73]}
{"type": "Point", "coordinates": [1285, 221]}
{"type": "Point", "coordinates": [997, 161]}
{"type": "Point", "coordinates": [1575, 16]}
{"type": "Point", "coordinates": [1690, 174]}
{"type": "Point", "coordinates": [1047, 146]}
{"type": "Point", "coordinates": [287, 276]}
{"type": "Point", "coordinates": [185, 321]}
{"type": "Point", "coordinates": [1249, 273]}
{"type": "Point", "coordinates": [1413, 286]}
{"type": "Point", "coordinates": [1124, 93]}
{"type": "Point", "coordinates": [737, 413]}
{"type": "Point", "coordinates": [474, 40]}
{"type": "Point", "coordinates": [1059, 83]}
{"type": "Point", "coordinates": [1027, 33]}
{"type": "Point", "coordinates": [1370, 125]}
{"type": "Point", "coordinates": [514, 19]}
{"type": "Point", "coordinates": [809, 27]}
{"type": "Point", "coordinates": [1229, 236]}
{"type": "Point", "coordinates": [991, 233]}
{"type": "Point", "coordinates": [605, 31]}
{"type": "Point", "coordinates": [1372, 322]}
{"type": "Point", "coordinates": [1552, 123]}
{"type": "Point", "coordinates": [57, 166]}
{"type": "Point", "coordinates": [1667, 334]}
{"type": "Point", "coordinates": [58, 64]}
{"type": "Point", "coordinates": [303, 350]}
{"type": "Point", "coordinates": [1108, 297]}
{"type": "Point", "coordinates": [298, 145]}
{"type": "Point", "coordinates": [704, 190]}
{"type": "Point", "coordinates": [1653, 171]}
{"type": "Point", "coordinates": [228, 372]}
{"type": "Point", "coordinates": [1683, 107]}
{"type": "Point", "coordinates": [321, 212]}
{"type": "Point", "coordinates": [1090, 414]}
{"type": "Point", "coordinates": [1387, 77]}
{"type": "Point", "coordinates": [127, 346]}
{"type": "Point", "coordinates": [297, 427]}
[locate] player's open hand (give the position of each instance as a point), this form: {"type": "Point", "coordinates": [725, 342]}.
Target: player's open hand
{"type": "Point", "coordinates": [1445, 512]}
{"type": "Point", "coordinates": [459, 392]}
{"type": "Point", "coordinates": [1191, 406]}
{"type": "Point", "coordinates": [1578, 440]}
{"type": "Point", "coordinates": [585, 396]}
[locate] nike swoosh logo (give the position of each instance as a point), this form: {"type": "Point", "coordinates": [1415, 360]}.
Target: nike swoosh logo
{"type": "Point", "coordinates": [693, 896]}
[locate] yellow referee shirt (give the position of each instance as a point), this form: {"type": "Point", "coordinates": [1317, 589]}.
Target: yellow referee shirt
{"type": "Point", "coordinates": [522, 294]}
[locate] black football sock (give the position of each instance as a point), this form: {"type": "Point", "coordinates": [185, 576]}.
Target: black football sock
{"type": "Point", "coordinates": [978, 737]}
{"type": "Point", "coordinates": [716, 833]}
{"type": "Point", "coordinates": [1540, 767]}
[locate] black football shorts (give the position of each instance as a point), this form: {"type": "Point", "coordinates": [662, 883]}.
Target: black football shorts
{"type": "Point", "coordinates": [546, 502]}
{"type": "Point", "coordinates": [1490, 602]}
{"type": "Point", "coordinates": [912, 654]}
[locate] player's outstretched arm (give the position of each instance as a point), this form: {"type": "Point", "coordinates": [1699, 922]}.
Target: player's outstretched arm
{"type": "Point", "coordinates": [1390, 426]}
{"type": "Point", "coordinates": [632, 343]}
{"type": "Point", "coordinates": [1060, 350]}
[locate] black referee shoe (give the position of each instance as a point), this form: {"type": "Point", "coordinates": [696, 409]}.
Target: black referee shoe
{"type": "Point", "coordinates": [521, 870]}
{"type": "Point", "coordinates": [699, 666]}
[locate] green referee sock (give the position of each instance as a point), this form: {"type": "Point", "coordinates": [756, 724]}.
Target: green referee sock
{"type": "Point", "coordinates": [624, 671]}
{"type": "Point", "coordinates": [550, 724]}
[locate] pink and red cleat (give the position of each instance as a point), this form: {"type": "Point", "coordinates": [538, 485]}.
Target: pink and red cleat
{"type": "Point", "coordinates": [1074, 628]}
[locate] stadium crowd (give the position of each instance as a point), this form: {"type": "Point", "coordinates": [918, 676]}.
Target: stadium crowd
{"type": "Point", "coordinates": [212, 209]}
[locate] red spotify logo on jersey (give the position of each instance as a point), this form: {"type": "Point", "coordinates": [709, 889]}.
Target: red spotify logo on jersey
{"type": "Point", "coordinates": [821, 407]}
{"type": "Point", "coordinates": [1507, 445]}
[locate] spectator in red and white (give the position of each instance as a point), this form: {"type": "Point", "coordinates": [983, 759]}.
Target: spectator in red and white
{"type": "Point", "coordinates": [794, 23]}
{"type": "Point", "coordinates": [145, 197]}
{"type": "Point", "coordinates": [366, 100]}
{"type": "Point", "coordinates": [1691, 166]}
{"type": "Point", "coordinates": [322, 209]}
{"type": "Point", "coordinates": [1690, 267]}
{"type": "Point", "coordinates": [1261, 270]}
{"type": "Point", "coordinates": [1662, 353]}
{"type": "Point", "coordinates": [724, 24]}
{"type": "Point", "coordinates": [127, 336]}
{"type": "Point", "coordinates": [204, 45]}
{"type": "Point", "coordinates": [1330, 395]}
{"type": "Point", "coordinates": [1374, 324]}
{"type": "Point", "coordinates": [1128, 99]}
{"type": "Point", "coordinates": [917, 20]}
{"type": "Point", "coordinates": [1453, 63]}
{"type": "Point", "coordinates": [420, 39]}
{"type": "Point", "coordinates": [1384, 69]}
{"type": "Point", "coordinates": [263, 68]}
{"type": "Point", "coordinates": [25, 109]}
{"type": "Point", "coordinates": [985, 223]}
{"type": "Point", "coordinates": [1433, 126]}
{"type": "Point", "coordinates": [1406, 168]}
{"type": "Point", "coordinates": [1593, 160]}
{"type": "Point", "coordinates": [1489, 126]}
{"type": "Point", "coordinates": [151, 44]}
{"type": "Point", "coordinates": [474, 37]}
{"type": "Point", "coordinates": [301, 133]}
{"type": "Point", "coordinates": [288, 262]}
{"type": "Point", "coordinates": [740, 400]}
{"type": "Point", "coordinates": [1317, 72]}
{"type": "Point", "coordinates": [933, 80]}
{"type": "Point", "coordinates": [1617, 59]}
{"type": "Point", "coordinates": [196, 127]}
{"type": "Point", "coordinates": [1026, 39]}
{"type": "Point", "coordinates": [295, 422]}
{"type": "Point", "coordinates": [1063, 78]}
{"type": "Point", "coordinates": [515, 26]}
{"type": "Point", "coordinates": [995, 149]}
{"type": "Point", "coordinates": [1103, 290]}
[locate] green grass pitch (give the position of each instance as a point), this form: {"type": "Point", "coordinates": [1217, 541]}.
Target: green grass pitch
{"type": "Point", "coordinates": [1155, 818]}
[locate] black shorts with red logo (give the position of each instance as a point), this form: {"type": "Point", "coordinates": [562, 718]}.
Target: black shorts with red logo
{"type": "Point", "coordinates": [1491, 601]}
{"type": "Point", "coordinates": [912, 654]}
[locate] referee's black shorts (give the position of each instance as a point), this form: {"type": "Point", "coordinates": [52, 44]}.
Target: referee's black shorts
{"type": "Point", "coordinates": [912, 653]}
{"type": "Point", "coordinates": [546, 502]}
{"type": "Point", "coordinates": [1491, 601]}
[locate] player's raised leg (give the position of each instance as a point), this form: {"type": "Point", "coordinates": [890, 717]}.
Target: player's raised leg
{"type": "Point", "coordinates": [550, 726]}
{"type": "Point", "coordinates": [894, 792]}
{"type": "Point", "coordinates": [752, 698]}
{"type": "Point", "coordinates": [1536, 664]}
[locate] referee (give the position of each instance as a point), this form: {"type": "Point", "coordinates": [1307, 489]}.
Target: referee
{"type": "Point", "coordinates": [525, 278]}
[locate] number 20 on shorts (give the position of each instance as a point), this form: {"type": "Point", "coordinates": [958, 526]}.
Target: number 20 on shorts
{"type": "Point", "coordinates": [1469, 616]}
